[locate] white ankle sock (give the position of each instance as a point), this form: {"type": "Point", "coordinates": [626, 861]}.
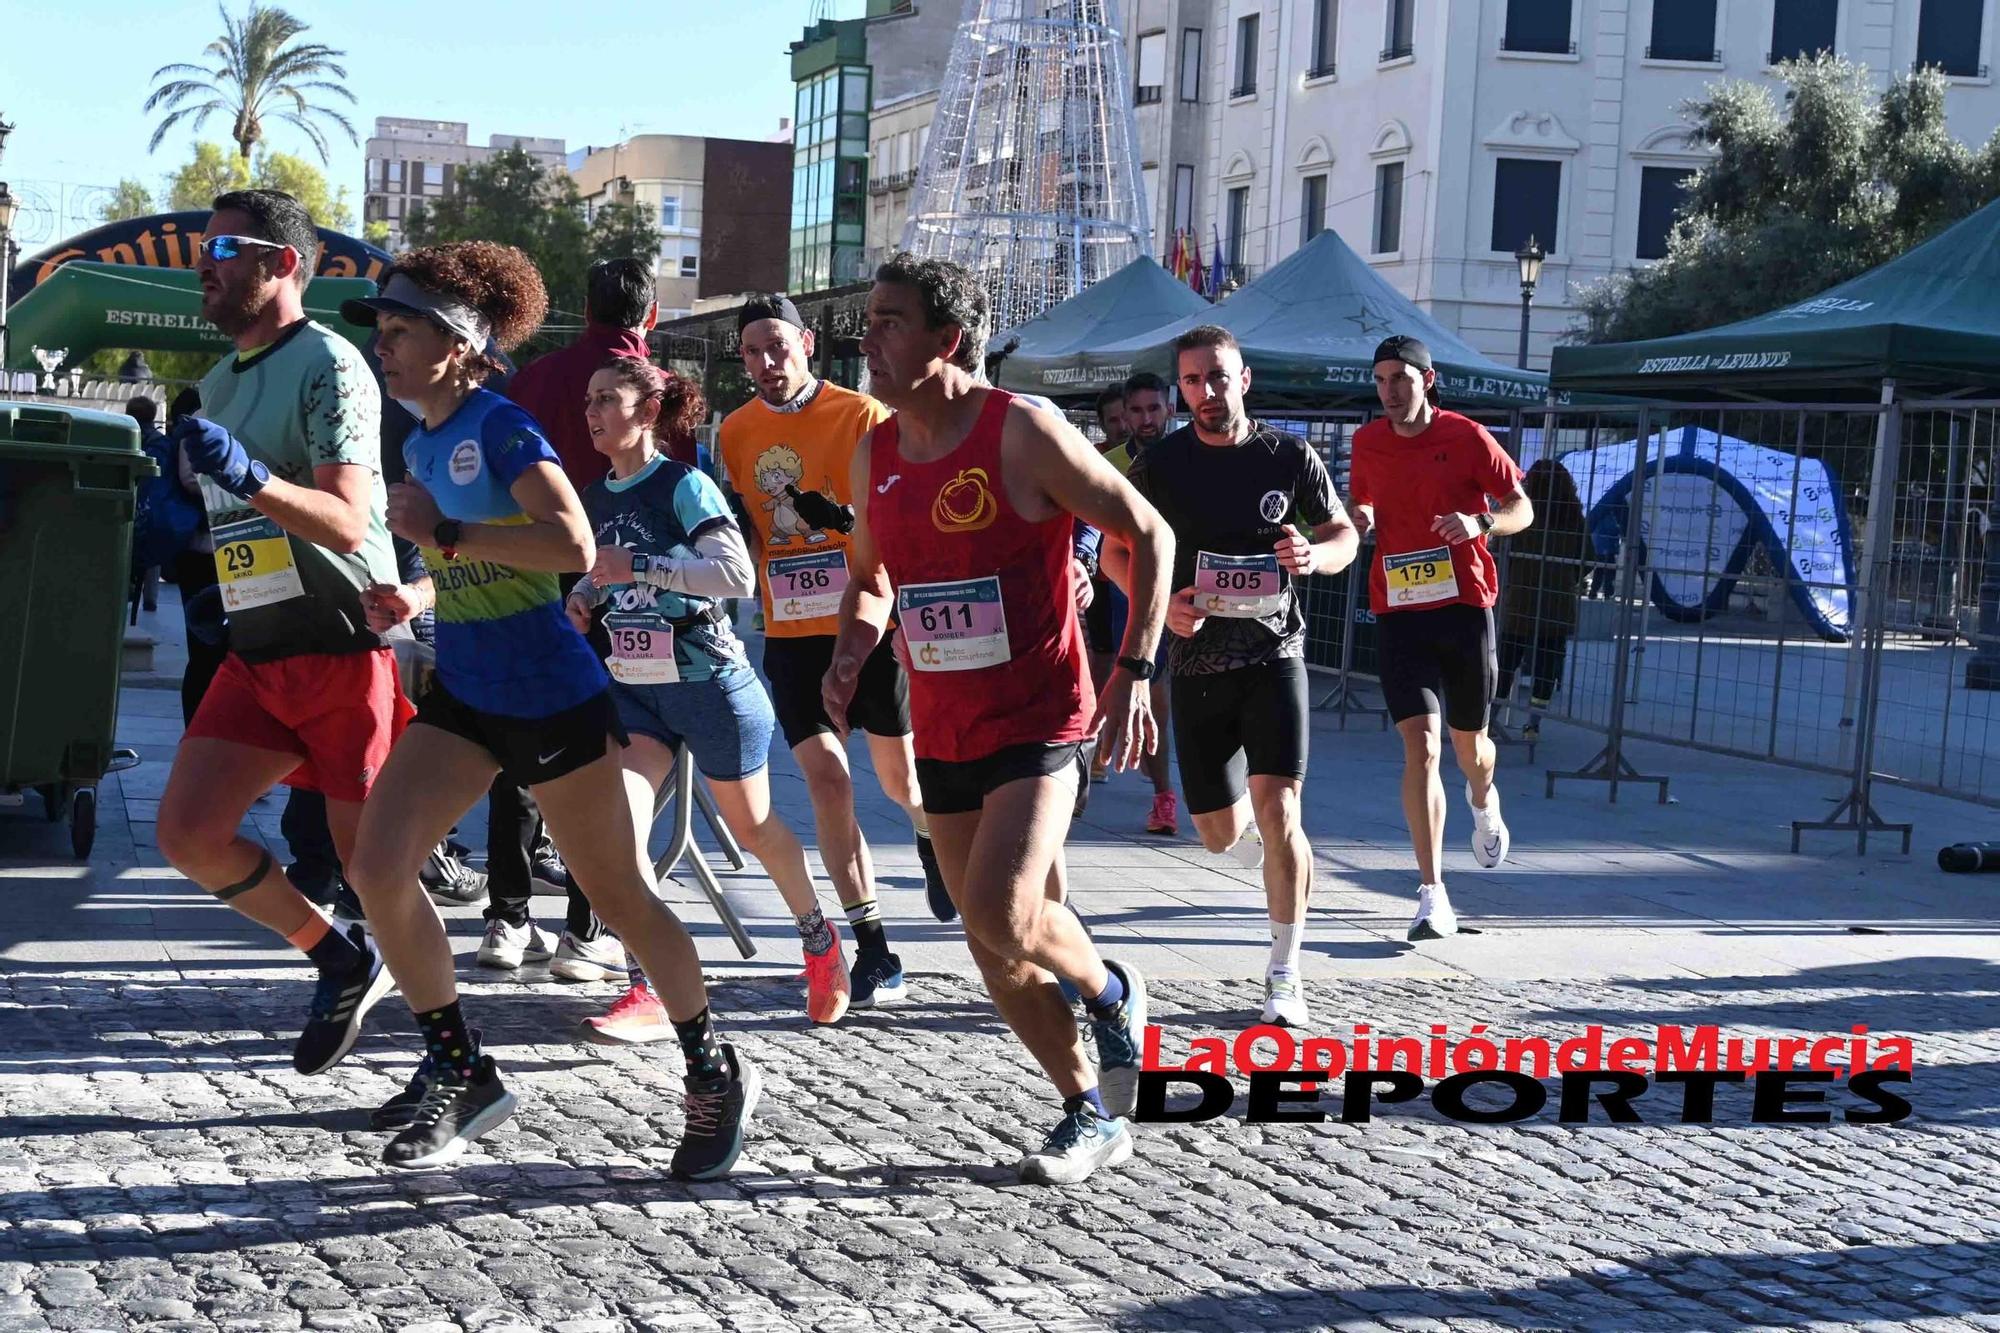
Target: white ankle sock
{"type": "Point", "coordinates": [1285, 940]}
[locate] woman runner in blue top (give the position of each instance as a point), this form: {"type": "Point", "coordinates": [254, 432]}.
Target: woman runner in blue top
{"type": "Point", "coordinates": [516, 689]}
{"type": "Point", "coordinates": [668, 549]}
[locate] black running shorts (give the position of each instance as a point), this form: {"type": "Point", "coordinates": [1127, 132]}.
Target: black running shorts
{"type": "Point", "coordinates": [1439, 660]}
{"type": "Point", "coordinates": [797, 667]}
{"type": "Point", "coordinates": [960, 788]}
{"type": "Point", "coordinates": [1229, 724]}
{"type": "Point", "coordinates": [529, 750]}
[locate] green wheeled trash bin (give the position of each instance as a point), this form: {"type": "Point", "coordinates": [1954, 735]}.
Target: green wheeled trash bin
{"type": "Point", "coordinates": [68, 486]}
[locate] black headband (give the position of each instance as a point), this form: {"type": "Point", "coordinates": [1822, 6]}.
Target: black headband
{"type": "Point", "coordinates": [768, 307]}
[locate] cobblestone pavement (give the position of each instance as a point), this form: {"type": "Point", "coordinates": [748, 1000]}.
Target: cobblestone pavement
{"type": "Point", "coordinates": [161, 1167]}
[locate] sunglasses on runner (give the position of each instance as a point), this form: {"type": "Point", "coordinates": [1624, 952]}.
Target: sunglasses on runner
{"type": "Point", "coordinates": [221, 249]}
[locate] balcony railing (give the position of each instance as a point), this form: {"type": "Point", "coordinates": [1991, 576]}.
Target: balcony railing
{"type": "Point", "coordinates": [1244, 89]}
{"type": "Point", "coordinates": [1952, 69]}
{"type": "Point", "coordinates": [1401, 51]}
{"type": "Point", "coordinates": [1325, 71]}
{"type": "Point", "coordinates": [1561, 48]}
{"type": "Point", "coordinates": [1689, 56]}
{"type": "Point", "coordinates": [900, 180]}
{"type": "Point", "coordinates": [1146, 95]}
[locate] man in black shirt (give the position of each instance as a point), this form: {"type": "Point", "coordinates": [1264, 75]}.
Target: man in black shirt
{"type": "Point", "coordinates": [1235, 494]}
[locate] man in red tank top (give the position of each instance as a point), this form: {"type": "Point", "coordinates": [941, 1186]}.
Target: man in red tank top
{"type": "Point", "coordinates": [966, 501]}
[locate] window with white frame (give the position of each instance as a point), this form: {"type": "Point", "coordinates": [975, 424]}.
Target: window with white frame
{"type": "Point", "coordinates": [1684, 30]}
{"type": "Point", "coordinates": [1247, 33]}
{"type": "Point", "coordinates": [434, 175]}
{"type": "Point", "coordinates": [1152, 74]}
{"type": "Point", "coordinates": [1948, 36]}
{"type": "Point", "coordinates": [1801, 29]}
{"type": "Point", "coordinates": [1538, 25]}
{"type": "Point", "coordinates": [691, 264]}
{"type": "Point", "coordinates": [1326, 14]}
{"type": "Point", "coordinates": [670, 212]}
{"type": "Point", "coordinates": [1312, 207]}
{"type": "Point", "coordinates": [1388, 238]}
{"type": "Point", "coordinates": [1399, 34]}
{"type": "Point", "coordinates": [1183, 218]}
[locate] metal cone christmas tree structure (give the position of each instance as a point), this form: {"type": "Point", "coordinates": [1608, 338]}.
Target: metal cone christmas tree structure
{"type": "Point", "coordinates": [1031, 178]}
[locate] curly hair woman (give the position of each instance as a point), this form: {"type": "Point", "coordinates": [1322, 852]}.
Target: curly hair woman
{"type": "Point", "coordinates": [517, 689]}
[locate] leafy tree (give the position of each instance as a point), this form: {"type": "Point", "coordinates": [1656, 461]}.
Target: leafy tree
{"type": "Point", "coordinates": [1799, 197]}
{"type": "Point", "coordinates": [624, 231]}
{"type": "Point", "coordinates": [213, 171]}
{"type": "Point", "coordinates": [376, 233]}
{"type": "Point", "coordinates": [130, 200]}
{"type": "Point", "coordinates": [514, 200]}
{"type": "Point", "coordinates": [259, 70]}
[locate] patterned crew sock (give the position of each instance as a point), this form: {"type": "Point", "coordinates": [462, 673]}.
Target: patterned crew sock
{"type": "Point", "coordinates": [446, 1037]}
{"type": "Point", "coordinates": [814, 933]}
{"type": "Point", "coordinates": [706, 1066]}
{"type": "Point", "coordinates": [865, 920]}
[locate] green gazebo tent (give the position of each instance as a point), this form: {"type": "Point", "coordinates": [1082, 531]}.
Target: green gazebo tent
{"type": "Point", "coordinates": [1309, 328]}
{"type": "Point", "coordinates": [1054, 356]}
{"type": "Point", "coordinates": [1926, 319]}
{"type": "Point", "coordinates": [85, 306]}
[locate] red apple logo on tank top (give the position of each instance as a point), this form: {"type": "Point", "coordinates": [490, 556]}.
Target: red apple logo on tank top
{"type": "Point", "coordinates": [965, 503]}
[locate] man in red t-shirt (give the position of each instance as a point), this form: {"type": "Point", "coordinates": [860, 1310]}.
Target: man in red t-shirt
{"type": "Point", "coordinates": [1424, 481]}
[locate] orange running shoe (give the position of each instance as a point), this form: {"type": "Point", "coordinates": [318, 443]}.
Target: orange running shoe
{"type": "Point", "coordinates": [827, 987]}
{"type": "Point", "coordinates": [638, 1017]}
{"type": "Point", "coordinates": [1166, 814]}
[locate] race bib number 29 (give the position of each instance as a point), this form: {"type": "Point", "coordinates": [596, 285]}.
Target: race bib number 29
{"type": "Point", "coordinates": [954, 626]}
{"type": "Point", "coordinates": [253, 557]}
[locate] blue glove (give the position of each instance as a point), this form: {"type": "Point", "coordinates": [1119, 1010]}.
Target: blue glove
{"type": "Point", "coordinates": [215, 453]}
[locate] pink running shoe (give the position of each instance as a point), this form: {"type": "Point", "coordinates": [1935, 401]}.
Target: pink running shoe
{"type": "Point", "coordinates": [1166, 814]}
{"type": "Point", "coordinates": [637, 1018]}
{"type": "Point", "coordinates": [827, 987]}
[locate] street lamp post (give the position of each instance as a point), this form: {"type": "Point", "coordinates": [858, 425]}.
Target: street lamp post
{"type": "Point", "coordinates": [1529, 257]}
{"type": "Point", "coordinates": [8, 206]}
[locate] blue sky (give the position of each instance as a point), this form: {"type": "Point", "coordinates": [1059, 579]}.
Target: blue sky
{"type": "Point", "coordinates": [578, 71]}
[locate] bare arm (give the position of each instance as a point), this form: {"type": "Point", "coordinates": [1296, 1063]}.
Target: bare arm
{"type": "Point", "coordinates": [332, 512]}
{"type": "Point", "coordinates": [556, 538]}
{"type": "Point", "coordinates": [864, 607]}
{"type": "Point", "coordinates": [1513, 514]}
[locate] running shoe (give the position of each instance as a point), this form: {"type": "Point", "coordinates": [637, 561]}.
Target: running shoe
{"type": "Point", "coordinates": [1285, 999]}
{"type": "Point", "coordinates": [1490, 839]}
{"type": "Point", "coordinates": [454, 1111]}
{"type": "Point", "coordinates": [1165, 816]}
{"type": "Point", "coordinates": [877, 979]}
{"type": "Point", "coordinates": [636, 1019]}
{"type": "Point", "coordinates": [1120, 1035]}
{"type": "Point", "coordinates": [548, 872]}
{"type": "Point", "coordinates": [716, 1118]}
{"type": "Point", "coordinates": [401, 1109]}
{"type": "Point", "coordinates": [1434, 919]}
{"type": "Point", "coordinates": [1080, 1143]}
{"type": "Point", "coordinates": [1249, 849]}
{"type": "Point", "coordinates": [449, 881]}
{"type": "Point", "coordinates": [934, 891]}
{"type": "Point", "coordinates": [340, 1003]}
{"type": "Point", "coordinates": [826, 984]}
{"type": "Point", "coordinates": [508, 946]}
{"type": "Point", "coordinates": [601, 959]}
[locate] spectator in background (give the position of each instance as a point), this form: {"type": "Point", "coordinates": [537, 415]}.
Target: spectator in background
{"type": "Point", "coordinates": [154, 443]}
{"type": "Point", "coordinates": [194, 576]}
{"type": "Point", "coordinates": [1545, 569]}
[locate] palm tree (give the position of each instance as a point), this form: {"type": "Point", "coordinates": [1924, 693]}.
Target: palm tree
{"type": "Point", "coordinates": [258, 71]}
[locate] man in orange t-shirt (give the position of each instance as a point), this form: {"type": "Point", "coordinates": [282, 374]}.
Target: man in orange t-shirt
{"type": "Point", "coordinates": [787, 453]}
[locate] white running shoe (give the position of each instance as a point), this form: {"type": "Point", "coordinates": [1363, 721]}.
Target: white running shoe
{"type": "Point", "coordinates": [1434, 919]}
{"type": "Point", "coordinates": [1249, 849]}
{"type": "Point", "coordinates": [1490, 839]}
{"type": "Point", "coordinates": [1285, 999]}
{"type": "Point", "coordinates": [508, 947]}
{"type": "Point", "coordinates": [600, 959]}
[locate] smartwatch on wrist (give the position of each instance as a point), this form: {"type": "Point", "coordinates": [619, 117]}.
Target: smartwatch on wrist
{"type": "Point", "coordinates": [255, 477]}
{"type": "Point", "coordinates": [446, 535]}
{"type": "Point", "coordinates": [1485, 522]}
{"type": "Point", "coordinates": [641, 562]}
{"type": "Point", "coordinates": [1140, 667]}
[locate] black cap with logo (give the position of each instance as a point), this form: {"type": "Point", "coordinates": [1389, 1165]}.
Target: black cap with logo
{"type": "Point", "coordinates": [1411, 352]}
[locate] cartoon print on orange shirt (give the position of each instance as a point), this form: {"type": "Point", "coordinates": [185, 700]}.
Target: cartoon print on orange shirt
{"type": "Point", "coordinates": [779, 467]}
{"type": "Point", "coordinates": [965, 503]}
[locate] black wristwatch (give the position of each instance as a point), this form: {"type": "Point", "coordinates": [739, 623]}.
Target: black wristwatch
{"type": "Point", "coordinates": [1140, 667]}
{"type": "Point", "coordinates": [1485, 521]}
{"type": "Point", "coordinates": [446, 535]}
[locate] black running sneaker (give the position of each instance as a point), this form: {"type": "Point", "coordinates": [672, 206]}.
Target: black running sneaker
{"type": "Point", "coordinates": [401, 1109]}
{"type": "Point", "coordinates": [339, 1005]}
{"type": "Point", "coordinates": [715, 1121]}
{"type": "Point", "coordinates": [449, 881]}
{"type": "Point", "coordinates": [1120, 1035]}
{"type": "Point", "coordinates": [454, 1111]}
{"type": "Point", "coordinates": [940, 901]}
{"type": "Point", "coordinates": [877, 979]}
{"type": "Point", "coordinates": [548, 871]}
{"type": "Point", "coordinates": [1079, 1144]}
